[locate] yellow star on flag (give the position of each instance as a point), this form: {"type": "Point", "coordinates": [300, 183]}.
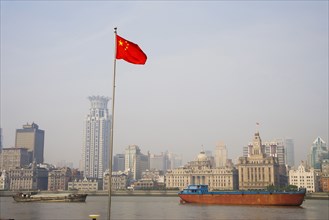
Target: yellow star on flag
{"type": "Point", "coordinates": [129, 51]}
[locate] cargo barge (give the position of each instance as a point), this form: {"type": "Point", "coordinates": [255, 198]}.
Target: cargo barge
{"type": "Point", "coordinates": [200, 194]}
{"type": "Point", "coordinates": [56, 197]}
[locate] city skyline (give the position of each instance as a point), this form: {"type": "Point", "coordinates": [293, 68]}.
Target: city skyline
{"type": "Point", "coordinates": [286, 148]}
{"type": "Point", "coordinates": [214, 69]}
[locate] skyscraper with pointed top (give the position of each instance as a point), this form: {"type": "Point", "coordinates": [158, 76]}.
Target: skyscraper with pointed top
{"type": "Point", "coordinates": [318, 152]}
{"type": "Point", "coordinates": [96, 138]}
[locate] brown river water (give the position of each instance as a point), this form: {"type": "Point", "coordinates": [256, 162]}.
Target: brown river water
{"type": "Point", "coordinates": [158, 208]}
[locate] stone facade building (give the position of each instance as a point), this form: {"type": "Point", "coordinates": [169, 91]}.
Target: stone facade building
{"type": "Point", "coordinates": [31, 178]}
{"type": "Point", "coordinates": [201, 171]}
{"type": "Point", "coordinates": [303, 178]}
{"type": "Point", "coordinates": [155, 175]}
{"type": "Point", "coordinates": [119, 181]}
{"type": "Point", "coordinates": [85, 185]}
{"type": "Point", "coordinates": [12, 158]}
{"type": "Point", "coordinates": [257, 171]}
{"type": "Point", "coordinates": [58, 179]}
{"type": "Point", "coordinates": [145, 184]}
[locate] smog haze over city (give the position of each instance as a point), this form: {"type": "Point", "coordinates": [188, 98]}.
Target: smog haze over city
{"type": "Point", "coordinates": [214, 70]}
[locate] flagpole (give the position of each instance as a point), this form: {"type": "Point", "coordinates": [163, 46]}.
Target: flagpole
{"type": "Point", "coordinates": [112, 126]}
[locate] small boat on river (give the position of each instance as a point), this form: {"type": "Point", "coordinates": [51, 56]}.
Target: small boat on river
{"type": "Point", "coordinates": [200, 194]}
{"type": "Point", "coordinates": [48, 197]}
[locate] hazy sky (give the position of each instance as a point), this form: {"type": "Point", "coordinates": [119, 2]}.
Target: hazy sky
{"type": "Point", "coordinates": [214, 69]}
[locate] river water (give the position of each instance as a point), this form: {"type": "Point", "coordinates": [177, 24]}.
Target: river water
{"type": "Point", "coordinates": [158, 208]}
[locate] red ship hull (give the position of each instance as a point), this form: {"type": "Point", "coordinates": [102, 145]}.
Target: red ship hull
{"type": "Point", "coordinates": [245, 199]}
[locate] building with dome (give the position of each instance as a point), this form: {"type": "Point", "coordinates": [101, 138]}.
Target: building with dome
{"type": "Point", "coordinates": [201, 171]}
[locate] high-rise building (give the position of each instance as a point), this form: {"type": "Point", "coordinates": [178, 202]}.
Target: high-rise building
{"type": "Point", "coordinates": [290, 152]}
{"type": "Point", "coordinates": [135, 161]}
{"type": "Point", "coordinates": [96, 138]}
{"type": "Point", "coordinates": [159, 161]}
{"type": "Point", "coordinates": [130, 156]}
{"type": "Point", "coordinates": [276, 149]}
{"type": "Point", "coordinates": [318, 152]}
{"type": "Point", "coordinates": [119, 163]}
{"type": "Point", "coordinates": [175, 160]}
{"type": "Point", "coordinates": [283, 149]}
{"type": "Point", "coordinates": [32, 138]}
{"type": "Point", "coordinates": [271, 149]}
{"type": "Point", "coordinates": [220, 155]}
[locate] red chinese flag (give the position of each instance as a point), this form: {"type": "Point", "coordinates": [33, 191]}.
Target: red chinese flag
{"type": "Point", "coordinates": [129, 51]}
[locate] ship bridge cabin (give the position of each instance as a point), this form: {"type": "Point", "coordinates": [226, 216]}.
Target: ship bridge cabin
{"type": "Point", "coordinates": [196, 189]}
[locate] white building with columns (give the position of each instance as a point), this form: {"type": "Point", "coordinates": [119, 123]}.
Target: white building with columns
{"type": "Point", "coordinates": [200, 171]}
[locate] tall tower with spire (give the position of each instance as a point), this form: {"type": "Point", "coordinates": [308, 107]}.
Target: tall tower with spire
{"type": "Point", "coordinates": [257, 170]}
{"type": "Point", "coordinates": [96, 138]}
{"type": "Point", "coordinates": [258, 149]}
